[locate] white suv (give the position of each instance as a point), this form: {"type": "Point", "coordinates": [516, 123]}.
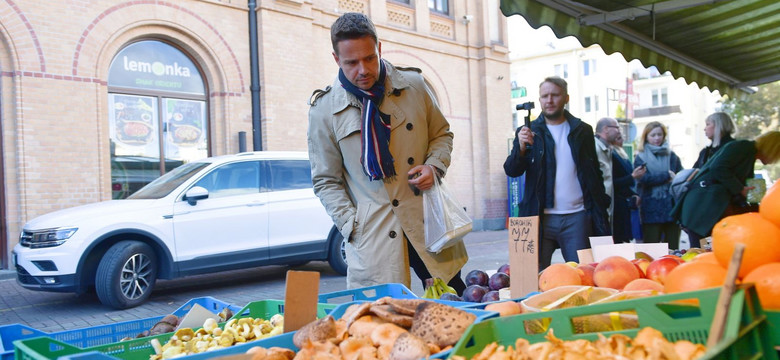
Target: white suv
{"type": "Point", "coordinates": [221, 213]}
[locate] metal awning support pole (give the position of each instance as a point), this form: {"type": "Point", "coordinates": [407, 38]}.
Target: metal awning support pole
{"type": "Point", "coordinates": [257, 128]}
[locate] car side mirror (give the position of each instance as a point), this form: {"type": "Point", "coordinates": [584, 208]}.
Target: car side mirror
{"type": "Point", "coordinates": [196, 193]}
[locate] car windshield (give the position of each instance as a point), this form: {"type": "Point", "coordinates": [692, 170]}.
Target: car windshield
{"type": "Point", "coordinates": [163, 185]}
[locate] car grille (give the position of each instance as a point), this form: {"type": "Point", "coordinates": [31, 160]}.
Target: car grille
{"type": "Point", "coordinates": [25, 277]}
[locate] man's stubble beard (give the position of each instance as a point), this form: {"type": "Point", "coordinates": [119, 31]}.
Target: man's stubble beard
{"type": "Point", "coordinates": [554, 115]}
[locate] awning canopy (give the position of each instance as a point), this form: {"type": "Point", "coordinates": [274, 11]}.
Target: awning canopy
{"type": "Point", "coordinates": [721, 44]}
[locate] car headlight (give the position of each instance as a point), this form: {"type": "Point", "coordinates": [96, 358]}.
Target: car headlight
{"type": "Point", "coordinates": [46, 238]}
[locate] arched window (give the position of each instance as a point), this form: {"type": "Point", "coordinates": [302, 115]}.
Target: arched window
{"type": "Point", "coordinates": [157, 114]}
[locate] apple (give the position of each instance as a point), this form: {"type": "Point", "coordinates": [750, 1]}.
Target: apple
{"type": "Point", "coordinates": [659, 268]}
{"type": "Point", "coordinates": [644, 284]}
{"type": "Point", "coordinates": [689, 256]}
{"type": "Point", "coordinates": [586, 274]}
{"type": "Point", "coordinates": [642, 265]}
{"type": "Point", "coordinates": [615, 272]}
{"type": "Point", "coordinates": [679, 259]}
{"type": "Point", "coordinates": [643, 255]}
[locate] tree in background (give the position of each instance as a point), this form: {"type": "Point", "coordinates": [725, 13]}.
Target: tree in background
{"type": "Point", "coordinates": [755, 114]}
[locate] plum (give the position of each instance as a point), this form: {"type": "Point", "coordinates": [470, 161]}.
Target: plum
{"type": "Point", "coordinates": [450, 297]}
{"type": "Point", "coordinates": [490, 296]}
{"type": "Point", "coordinates": [474, 293]}
{"type": "Point", "coordinates": [498, 281]}
{"type": "Point", "coordinates": [504, 269]}
{"type": "Point", "coordinates": [477, 277]}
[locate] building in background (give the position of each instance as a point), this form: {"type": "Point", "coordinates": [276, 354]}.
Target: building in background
{"type": "Point", "coordinates": [602, 85]}
{"type": "Point", "coordinates": [100, 97]}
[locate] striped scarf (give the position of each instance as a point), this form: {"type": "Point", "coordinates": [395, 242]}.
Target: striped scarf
{"type": "Point", "coordinates": [375, 157]}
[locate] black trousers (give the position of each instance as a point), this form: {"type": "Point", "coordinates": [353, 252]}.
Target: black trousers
{"type": "Point", "coordinates": [422, 271]}
{"type": "Point", "coordinates": [694, 239]}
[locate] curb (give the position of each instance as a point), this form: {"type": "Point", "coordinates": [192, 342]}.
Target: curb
{"type": "Point", "coordinates": [7, 274]}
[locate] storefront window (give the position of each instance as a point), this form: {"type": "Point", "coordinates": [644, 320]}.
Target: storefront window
{"type": "Point", "coordinates": [157, 114]}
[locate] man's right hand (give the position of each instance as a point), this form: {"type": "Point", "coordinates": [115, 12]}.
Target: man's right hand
{"type": "Point", "coordinates": [525, 136]}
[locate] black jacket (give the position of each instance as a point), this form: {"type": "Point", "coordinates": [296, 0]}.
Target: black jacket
{"type": "Point", "coordinates": [623, 183]}
{"type": "Point", "coordinates": [709, 151]}
{"type": "Point", "coordinates": [539, 168]}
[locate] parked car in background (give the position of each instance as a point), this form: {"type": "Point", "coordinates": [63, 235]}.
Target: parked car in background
{"type": "Point", "coordinates": [220, 213]}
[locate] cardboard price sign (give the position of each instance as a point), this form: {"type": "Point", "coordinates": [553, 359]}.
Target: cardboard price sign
{"type": "Point", "coordinates": [523, 255]}
{"type": "Point", "coordinates": [300, 299]}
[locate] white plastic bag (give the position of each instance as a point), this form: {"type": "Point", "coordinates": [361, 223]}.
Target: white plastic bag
{"type": "Point", "coordinates": [446, 222]}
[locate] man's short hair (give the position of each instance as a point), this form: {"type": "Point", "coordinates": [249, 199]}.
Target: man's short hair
{"type": "Point", "coordinates": [602, 123]}
{"type": "Point", "coordinates": [558, 82]}
{"type": "Point", "coordinates": [351, 26]}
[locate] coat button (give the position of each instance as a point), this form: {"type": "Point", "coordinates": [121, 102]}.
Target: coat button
{"type": "Point", "coordinates": [416, 192]}
{"type": "Point", "coordinates": [409, 126]}
{"type": "Point", "coordinates": [395, 202]}
{"type": "Point", "coordinates": [410, 160]}
{"type": "Point", "coordinates": [392, 234]}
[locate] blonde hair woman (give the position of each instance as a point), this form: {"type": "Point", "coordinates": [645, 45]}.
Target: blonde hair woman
{"type": "Point", "coordinates": [661, 163]}
{"type": "Point", "coordinates": [718, 128]}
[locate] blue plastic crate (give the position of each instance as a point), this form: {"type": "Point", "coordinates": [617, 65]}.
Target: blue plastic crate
{"type": "Point", "coordinates": [457, 304]}
{"type": "Point", "coordinates": [92, 355]}
{"type": "Point", "coordinates": [370, 293]}
{"type": "Point", "coordinates": [100, 334]}
{"type": "Point", "coordinates": [43, 347]}
{"type": "Point", "coordinates": [286, 340]}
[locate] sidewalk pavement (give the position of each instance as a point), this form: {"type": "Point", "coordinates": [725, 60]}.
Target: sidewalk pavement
{"type": "Point", "coordinates": [7, 274]}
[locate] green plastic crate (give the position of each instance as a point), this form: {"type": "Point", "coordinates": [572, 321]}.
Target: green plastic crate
{"type": "Point", "coordinates": [42, 348]}
{"type": "Point", "coordinates": [746, 336]}
{"type": "Point", "coordinates": [773, 318]}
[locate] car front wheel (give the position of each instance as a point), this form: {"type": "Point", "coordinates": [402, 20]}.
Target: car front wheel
{"type": "Point", "coordinates": [337, 255]}
{"type": "Point", "coordinates": [126, 275]}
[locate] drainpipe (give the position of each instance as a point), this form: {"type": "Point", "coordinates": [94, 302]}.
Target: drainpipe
{"type": "Point", "coordinates": [257, 129]}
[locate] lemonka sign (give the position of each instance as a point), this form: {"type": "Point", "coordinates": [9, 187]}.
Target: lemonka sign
{"type": "Point", "coordinates": [154, 65]}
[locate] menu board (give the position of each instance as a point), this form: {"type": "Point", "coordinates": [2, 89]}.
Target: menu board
{"type": "Point", "coordinates": [133, 121]}
{"type": "Point", "coordinates": [185, 122]}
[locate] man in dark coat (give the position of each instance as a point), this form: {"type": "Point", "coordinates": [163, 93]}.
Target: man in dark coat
{"type": "Point", "coordinates": [564, 185]}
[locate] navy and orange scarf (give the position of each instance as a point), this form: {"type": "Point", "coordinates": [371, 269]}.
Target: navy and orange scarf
{"type": "Point", "coordinates": [375, 157]}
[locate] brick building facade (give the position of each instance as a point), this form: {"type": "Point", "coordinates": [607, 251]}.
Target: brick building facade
{"type": "Point", "coordinates": [60, 100]}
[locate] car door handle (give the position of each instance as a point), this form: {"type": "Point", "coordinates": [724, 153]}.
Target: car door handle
{"type": "Point", "coordinates": [256, 203]}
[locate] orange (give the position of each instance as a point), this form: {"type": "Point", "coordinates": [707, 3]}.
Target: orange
{"type": "Point", "coordinates": [694, 275]}
{"type": "Point", "coordinates": [767, 280]}
{"type": "Point", "coordinates": [770, 204]}
{"type": "Point", "coordinates": [761, 239]}
{"type": "Point", "coordinates": [708, 256]}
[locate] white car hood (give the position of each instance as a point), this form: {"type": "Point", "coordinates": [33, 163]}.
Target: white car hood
{"type": "Point", "coordinates": [78, 215]}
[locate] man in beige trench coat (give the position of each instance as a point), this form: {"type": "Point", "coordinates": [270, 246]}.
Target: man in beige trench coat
{"type": "Point", "coordinates": [373, 192]}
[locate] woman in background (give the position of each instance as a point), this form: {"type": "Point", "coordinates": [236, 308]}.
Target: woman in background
{"type": "Point", "coordinates": [653, 187]}
{"type": "Point", "coordinates": [721, 180]}
{"type": "Point", "coordinates": [718, 128]}
{"type": "Point", "coordinates": [626, 199]}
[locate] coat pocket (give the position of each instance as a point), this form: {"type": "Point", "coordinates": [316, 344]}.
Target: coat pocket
{"type": "Point", "coordinates": [360, 223]}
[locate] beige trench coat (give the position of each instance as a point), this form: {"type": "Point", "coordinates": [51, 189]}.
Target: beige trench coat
{"type": "Point", "coordinates": [375, 215]}
{"type": "Point", "coordinates": [604, 154]}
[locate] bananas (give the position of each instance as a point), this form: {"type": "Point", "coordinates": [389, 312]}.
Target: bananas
{"type": "Point", "coordinates": [436, 287]}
